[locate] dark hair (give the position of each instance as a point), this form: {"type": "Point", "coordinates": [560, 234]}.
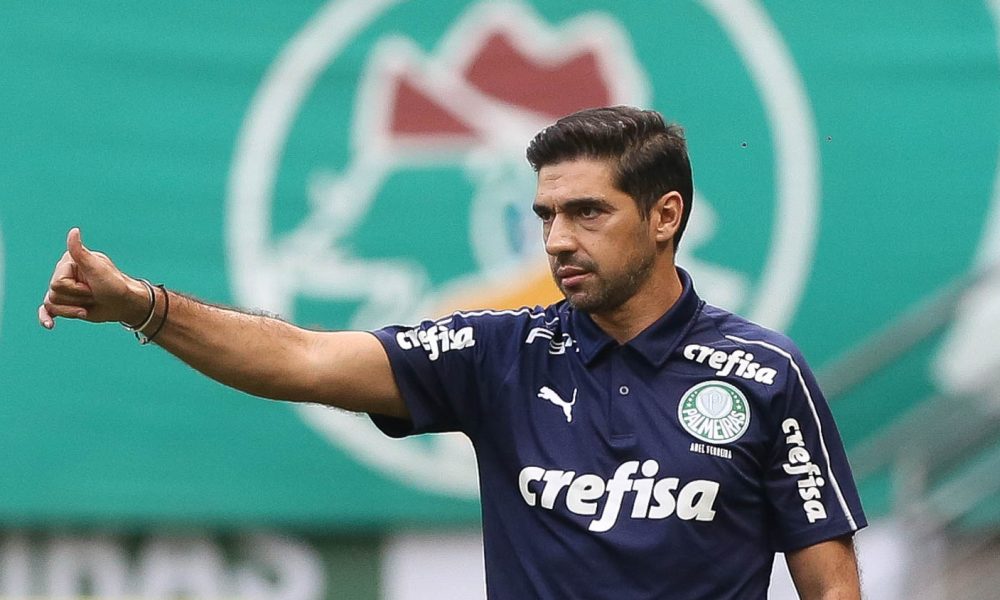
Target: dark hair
{"type": "Point", "coordinates": [649, 156]}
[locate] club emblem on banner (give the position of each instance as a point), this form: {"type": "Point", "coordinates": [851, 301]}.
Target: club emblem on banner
{"type": "Point", "coordinates": [421, 202]}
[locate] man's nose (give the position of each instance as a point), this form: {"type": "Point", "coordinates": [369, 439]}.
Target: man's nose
{"type": "Point", "coordinates": [559, 237]}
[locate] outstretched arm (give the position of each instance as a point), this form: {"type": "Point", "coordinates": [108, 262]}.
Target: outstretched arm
{"type": "Point", "coordinates": [260, 355]}
{"type": "Point", "coordinates": [826, 571]}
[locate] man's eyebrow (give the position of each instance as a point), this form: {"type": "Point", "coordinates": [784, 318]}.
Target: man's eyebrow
{"type": "Point", "coordinates": [586, 202]}
{"type": "Point", "coordinates": [574, 204]}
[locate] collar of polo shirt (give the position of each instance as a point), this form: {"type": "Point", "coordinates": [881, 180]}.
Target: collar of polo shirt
{"type": "Point", "coordinates": [656, 342]}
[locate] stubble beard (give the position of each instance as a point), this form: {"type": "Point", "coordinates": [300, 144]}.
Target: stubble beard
{"type": "Point", "coordinates": [611, 291]}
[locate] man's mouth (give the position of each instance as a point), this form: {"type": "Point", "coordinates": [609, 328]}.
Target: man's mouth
{"type": "Point", "coordinates": [570, 276]}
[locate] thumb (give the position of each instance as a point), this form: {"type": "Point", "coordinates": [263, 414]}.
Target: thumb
{"type": "Point", "coordinates": [74, 244]}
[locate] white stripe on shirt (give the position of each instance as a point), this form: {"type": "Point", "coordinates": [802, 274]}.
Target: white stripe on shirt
{"type": "Point", "coordinates": [819, 427]}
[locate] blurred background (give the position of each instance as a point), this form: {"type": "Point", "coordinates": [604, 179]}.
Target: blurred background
{"type": "Point", "coordinates": [354, 163]}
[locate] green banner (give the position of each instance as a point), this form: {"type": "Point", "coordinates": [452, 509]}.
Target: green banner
{"type": "Point", "coordinates": [353, 163]}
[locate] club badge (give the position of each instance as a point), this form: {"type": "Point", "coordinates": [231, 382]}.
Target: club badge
{"type": "Point", "coordinates": [715, 412]}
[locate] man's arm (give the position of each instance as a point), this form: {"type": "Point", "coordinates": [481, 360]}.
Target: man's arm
{"type": "Point", "coordinates": [826, 571]}
{"type": "Point", "coordinates": [260, 355]}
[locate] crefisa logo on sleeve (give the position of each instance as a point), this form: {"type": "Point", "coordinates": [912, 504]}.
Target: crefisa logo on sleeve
{"type": "Point", "coordinates": [379, 176]}
{"type": "Point", "coordinates": [436, 340]}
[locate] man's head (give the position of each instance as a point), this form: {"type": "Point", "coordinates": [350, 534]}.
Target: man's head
{"type": "Point", "coordinates": [614, 188]}
{"type": "Point", "coordinates": [648, 157]}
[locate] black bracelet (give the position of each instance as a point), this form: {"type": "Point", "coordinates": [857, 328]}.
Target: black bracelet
{"type": "Point", "coordinates": [163, 321]}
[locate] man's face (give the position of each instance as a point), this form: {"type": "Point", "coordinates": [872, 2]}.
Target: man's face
{"type": "Point", "coordinates": [600, 250]}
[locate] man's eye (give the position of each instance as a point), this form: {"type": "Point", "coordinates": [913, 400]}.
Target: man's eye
{"type": "Point", "coordinates": [589, 212]}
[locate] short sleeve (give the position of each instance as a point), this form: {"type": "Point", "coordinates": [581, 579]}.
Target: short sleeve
{"type": "Point", "coordinates": [437, 368]}
{"type": "Point", "coordinates": [810, 489]}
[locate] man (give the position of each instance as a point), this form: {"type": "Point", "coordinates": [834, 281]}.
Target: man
{"type": "Point", "coordinates": [633, 442]}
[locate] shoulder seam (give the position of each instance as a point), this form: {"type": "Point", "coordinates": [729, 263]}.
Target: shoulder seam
{"type": "Point", "coordinates": [489, 312]}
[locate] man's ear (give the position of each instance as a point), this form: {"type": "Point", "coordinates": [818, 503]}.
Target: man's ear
{"type": "Point", "coordinates": [665, 217]}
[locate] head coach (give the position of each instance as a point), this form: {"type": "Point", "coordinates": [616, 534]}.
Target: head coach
{"type": "Point", "coordinates": [633, 441]}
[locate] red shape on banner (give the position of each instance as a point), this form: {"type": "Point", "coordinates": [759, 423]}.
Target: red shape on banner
{"type": "Point", "coordinates": [502, 71]}
{"type": "Point", "coordinates": [414, 113]}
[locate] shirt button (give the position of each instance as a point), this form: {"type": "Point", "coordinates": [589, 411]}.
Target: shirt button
{"type": "Point", "coordinates": [623, 390]}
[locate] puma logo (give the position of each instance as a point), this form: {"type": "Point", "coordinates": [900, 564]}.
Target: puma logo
{"type": "Point", "coordinates": [547, 393]}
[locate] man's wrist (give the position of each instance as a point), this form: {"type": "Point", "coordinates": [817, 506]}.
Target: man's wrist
{"type": "Point", "coordinates": [137, 303]}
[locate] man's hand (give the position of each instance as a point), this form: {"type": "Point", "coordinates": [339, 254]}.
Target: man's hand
{"type": "Point", "coordinates": [87, 285]}
{"type": "Point", "coordinates": [260, 355]}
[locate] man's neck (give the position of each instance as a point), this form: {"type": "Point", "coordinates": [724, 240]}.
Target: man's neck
{"type": "Point", "coordinates": [648, 304]}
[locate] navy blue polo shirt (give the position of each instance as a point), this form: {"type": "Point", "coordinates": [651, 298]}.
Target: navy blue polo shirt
{"type": "Point", "coordinates": [672, 466]}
